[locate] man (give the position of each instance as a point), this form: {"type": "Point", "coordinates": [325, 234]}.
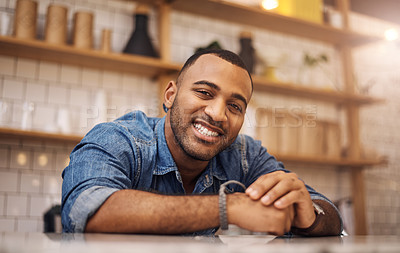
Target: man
{"type": "Point", "coordinates": [152, 175]}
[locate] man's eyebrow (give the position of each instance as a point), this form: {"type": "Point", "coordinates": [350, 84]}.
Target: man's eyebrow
{"type": "Point", "coordinates": [208, 83]}
{"type": "Point", "coordinates": [216, 87]}
{"type": "Point", "coordinates": [240, 97]}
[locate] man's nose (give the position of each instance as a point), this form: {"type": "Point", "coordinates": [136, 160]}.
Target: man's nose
{"type": "Point", "coordinates": [216, 110]}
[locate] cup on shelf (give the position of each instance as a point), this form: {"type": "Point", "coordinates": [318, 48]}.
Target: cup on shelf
{"type": "Point", "coordinates": [63, 121]}
{"type": "Point", "coordinates": [25, 19]}
{"type": "Point", "coordinates": [56, 24]}
{"type": "Point", "coordinates": [5, 113]}
{"type": "Point", "coordinates": [334, 17]}
{"type": "Point", "coordinates": [28, 109]}
{"type": "Point", "coordinates": [105, 41]}
{"type": "Point", "coordinates": [6, 23]}
{"type": "Point", "coordinates": [270, 73]}
{"type": "Point", "coordinates": [83, 30]}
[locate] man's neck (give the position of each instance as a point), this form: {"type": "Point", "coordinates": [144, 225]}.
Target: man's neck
{"type": "Point", "coordinates": [189, 168]}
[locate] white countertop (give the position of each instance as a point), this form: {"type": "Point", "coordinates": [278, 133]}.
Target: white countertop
{"type": "Point", "coordinates": [109, 243]}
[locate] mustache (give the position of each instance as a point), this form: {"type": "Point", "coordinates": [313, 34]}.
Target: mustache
{"type": "Point", "coordinates": [210, 121]}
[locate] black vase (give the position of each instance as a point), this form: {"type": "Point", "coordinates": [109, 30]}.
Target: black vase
{"type": "Point", "coordinates": [140, 42]}
{"type": "Point", "coordinates": [247, 53]}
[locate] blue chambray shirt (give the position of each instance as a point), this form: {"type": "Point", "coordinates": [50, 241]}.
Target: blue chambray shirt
{"type": "Point", "coordinates": [132, 153]}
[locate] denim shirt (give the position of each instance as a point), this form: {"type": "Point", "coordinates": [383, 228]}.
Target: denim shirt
{"type": "Point", "coordinates": [132, 153]}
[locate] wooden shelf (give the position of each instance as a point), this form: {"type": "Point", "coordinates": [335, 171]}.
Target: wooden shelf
{"type": "Point", "coordinates": [296, 90]}
{"type": "Point", "coordinates": [38, 135]}
{"type": "Point", "coordinates": [339, 162]}
{"type": "Point", "coordinates": [39, 50]}
{"type": "Point", "coordinates": [247, 15]}
{"type": "Point", "coordinates": [151, 67]}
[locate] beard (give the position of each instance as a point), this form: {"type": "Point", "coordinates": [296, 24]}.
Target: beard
{"type": "Point", "coordinates": [187, 142]}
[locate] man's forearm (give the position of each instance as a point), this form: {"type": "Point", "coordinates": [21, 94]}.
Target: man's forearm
{"type": "Point", "coordinates": [132, 211]}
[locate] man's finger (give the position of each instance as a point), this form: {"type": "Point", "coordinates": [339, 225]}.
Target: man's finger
{"type": "Point", "coordinates": [263, 184]}
{"type": "Point", "coordinates": [286, 185]}
{"type": "Point", "coordinates": [290, 199]}
{"type": "Point", "coordinates": [290, 220]}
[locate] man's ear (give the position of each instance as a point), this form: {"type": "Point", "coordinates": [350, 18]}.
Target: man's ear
{"type": "Point", "coordinates": [169, 94]}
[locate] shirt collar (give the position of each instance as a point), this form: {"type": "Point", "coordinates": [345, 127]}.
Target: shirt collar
{"type": "Point", "coordinates": [165, 163]}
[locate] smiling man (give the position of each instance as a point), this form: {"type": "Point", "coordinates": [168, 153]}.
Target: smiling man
{"type": "Point", "coordinates": [162, 175]}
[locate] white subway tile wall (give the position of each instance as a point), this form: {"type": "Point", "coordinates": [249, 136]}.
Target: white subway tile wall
{"type": "Point", "coordinates": [13, 89]}
{"type": "Point", "coordinates": [36, 92]}
{"type": "Point", "coordinates": [27, 68]}
{"type": "Point", "coordinates": [49, 71]}
{"type": "Point", "coordinates": [380, 131]}
{"type": "Point", "coordinates": [2, 205]}
{"type": "Point", "coordinates": [4, 157]}
{"type": "Point", "coordinates": [30, 172]}
{"type": "Point", "coordinates": [30, 182]}
{"type": "Point", "coordinates": [91, 77]}
{"type": "Point", "coordinates": [44, 118]}
{"type": "Point", "coordinates": [7, 65]}
{"type": "Point", "coordinates": [80, 96]}
{"type": "Point", "coordinates": [43, 160]}
{"type": "Point", "coordinates": [9, 181]}
{"type": "Point", "coordinates": [111, 80]}
{"type": "Point", "coordinates": [21, 158]}
{"type": "Point", "coordinates": [58, 95]}
{"type": "Point", "coordinates": [27, 225]}
{"type": "Point", "coordinates": [376, 71]}
{"type": "Point", "coordinates": [39, 205]}
{"type": "Point", "coordinates": [70, 74]}
{"type": "Point", "coordinates": [17, 205]}
{"type": "Point", "coordinates": [7, 225]}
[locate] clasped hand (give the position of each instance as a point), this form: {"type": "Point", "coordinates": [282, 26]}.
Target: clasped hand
{"type": "Point", "coordinates": [276, 202]}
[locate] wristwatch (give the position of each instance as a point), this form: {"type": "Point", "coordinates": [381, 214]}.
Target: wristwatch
{"type": "Point", "coordinates": [318, 209]}
{"type": "Point", "coordinates": [319, 212]}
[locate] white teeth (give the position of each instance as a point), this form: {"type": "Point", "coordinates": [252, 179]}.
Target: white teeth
{"type": "Point", "coordinates": [205, 131]}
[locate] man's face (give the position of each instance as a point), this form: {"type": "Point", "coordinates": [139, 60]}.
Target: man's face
{"type": "Point", "coordinates": [209, 107]}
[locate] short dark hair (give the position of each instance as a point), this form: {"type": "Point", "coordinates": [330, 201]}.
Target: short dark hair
{"type": "Point", "coordinates": [221, 53]}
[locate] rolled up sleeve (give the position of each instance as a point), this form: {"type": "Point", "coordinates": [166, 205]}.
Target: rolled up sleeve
{"type": "Point", "coordinates": [100, 165]}
{"type": "Point", "coordinates": [86, 205]}
{"type": "Point", "coordinates": [316, 195]}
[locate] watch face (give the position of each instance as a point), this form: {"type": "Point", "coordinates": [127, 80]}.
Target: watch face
{"type": "Point", "coordinates": [318, 209]}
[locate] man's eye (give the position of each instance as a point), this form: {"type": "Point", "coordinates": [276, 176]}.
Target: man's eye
{"type": "Point", "coordinates": [235, 107]}
{"type": "Point", "coordinates": [205, 93]}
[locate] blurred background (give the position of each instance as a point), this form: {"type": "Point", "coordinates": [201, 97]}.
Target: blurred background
{"type": "Point", "coordinates": [326, 90]}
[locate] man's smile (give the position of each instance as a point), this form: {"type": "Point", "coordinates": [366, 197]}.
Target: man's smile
{"type": "Point", "coordinates": [204, 131]}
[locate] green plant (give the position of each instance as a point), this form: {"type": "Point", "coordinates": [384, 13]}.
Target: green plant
{"type": "Point", "coordinates": [311, 61]}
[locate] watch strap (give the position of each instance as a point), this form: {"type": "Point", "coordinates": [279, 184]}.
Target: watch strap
{"type": "Point", "coordinates": [319, 212]}
{"type": "Point", "coordinates": [223, 217]}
